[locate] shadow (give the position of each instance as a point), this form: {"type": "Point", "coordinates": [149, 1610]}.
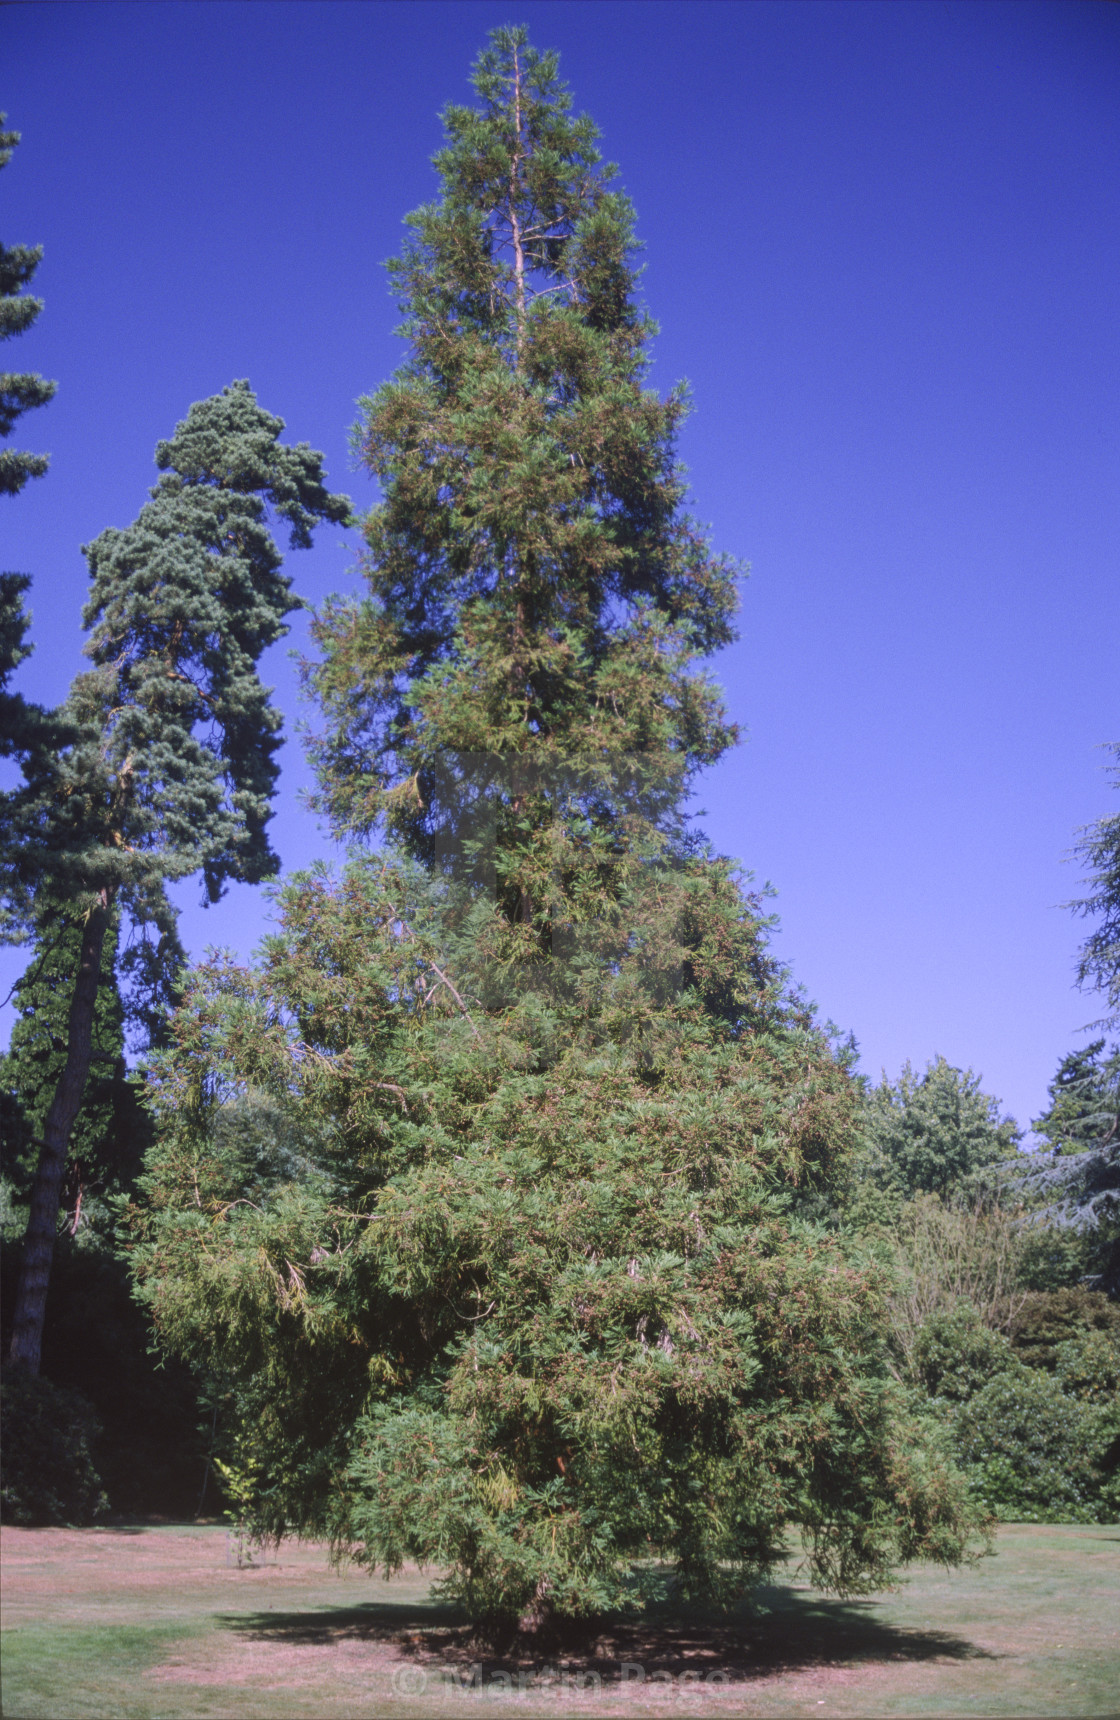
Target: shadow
{"type": "Point", "coordinates": [784, 1631]}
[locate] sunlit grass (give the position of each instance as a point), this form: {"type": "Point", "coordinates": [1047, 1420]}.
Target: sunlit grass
{"type": "Point", "coordinates": [143, 1625]}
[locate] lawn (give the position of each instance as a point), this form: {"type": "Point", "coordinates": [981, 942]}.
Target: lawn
{"type": "Point", "coordinates": [159, 1622]}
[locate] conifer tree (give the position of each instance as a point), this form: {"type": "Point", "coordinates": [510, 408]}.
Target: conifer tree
{"type": "Point", "coordinates": [22, 724]}
{"type": "Point", "coordinates": [1082, 1189]}
{"type": "Point", "coordinates": [1098, 964]}
{"type": "Point", "coordinates": [171, 766]}
{"type": "Point", "coordinates": [538, 599]}
{"type": "Point", "coordinates": [491, 1188]}
{"type": "Point", "coordinates": [110, 1130]}
{"type": "Point", "coordinates": [19, 392]}
{"type": "Point", "coordinates": [934, 1133]}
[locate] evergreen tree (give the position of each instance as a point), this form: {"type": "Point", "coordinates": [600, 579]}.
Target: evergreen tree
{"type": "Point", "coordinates": [1081, 1190]}
{"type": "Point", "coordinates": [1098, 966]}
{"type": "Point", "coordinates": [24, 729]}
{"type": "Point", "coordinates": [494, 1203]}
{"type": "Point", "coordinates": [110, 1131]}
{"type": "Point", "coordinates": [537, 598]}
{"type": "Point", "coordinates": [1078, 1113]}
{"type": "Point", "coordinates": [933, 1133]}
{"type": "Point", "coordinates": [171, 766]}
{"type": "Point", "coordinates": [19, 393]}
{"type": "Point", "coordinates": [1078, 1188]}
{"type": "Point", "coordinates": [14, 649]}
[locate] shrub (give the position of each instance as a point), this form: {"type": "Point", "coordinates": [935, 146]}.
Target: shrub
{"type": "Point", "coordinates": [947, 1252]}
{"type": "Point", "coordinates": [1044, 1320]}
{"type": "Point", "coordinates": [1088, 1366]}
{"type": "Point", "coordinates": [1033, 1452]}
{"type": "Point", "coordinates": [46, 1468]}
{"type": "Point", "coordinates": [956, 1354]}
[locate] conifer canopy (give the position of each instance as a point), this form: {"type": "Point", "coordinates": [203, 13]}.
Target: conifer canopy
{"type": "Point", "coordinates": [497, 1190]}
{"type": "Point", "coordinates": [162, 761]}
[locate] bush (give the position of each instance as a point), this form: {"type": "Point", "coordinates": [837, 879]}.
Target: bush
{"type": "Point", "coordinates": [1033, 1452]}
{"type": "Point", "coordinates": [46, 1469]}
{"type": "Point", "coordinates": [956, 1354]}
{"type": "Point", "coordinates": [1045, 1320]}
{"type": "Point", "coordinates": [1053, 1258]}
{"type": "Point", "coordinates": [948, 1252]}
{"type": "Point", "coordinates": [1088, 1366]}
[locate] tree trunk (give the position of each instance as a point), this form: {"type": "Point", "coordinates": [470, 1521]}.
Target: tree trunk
{"type": "Point", "coordinates": [46, 1192]}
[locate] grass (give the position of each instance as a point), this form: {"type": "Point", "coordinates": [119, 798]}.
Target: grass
{"type": "Point", "coordinates": [153, 1623]}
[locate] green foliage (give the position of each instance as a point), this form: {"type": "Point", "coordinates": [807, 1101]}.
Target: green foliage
{"type": "Point", "coordinates": [23, 728]}
{"type": "Point", "coordinates": [1033, 1451]}
{"type": "Point", "coordinates": [933, 1133]}
{"type": "Point", "coordinates": [537, 597]}
{"type": "Point", "coordinates": [526, 1290]}
{"type": "Point", "coordinates": [1052, 1257]}
{"type": "Point", "coordinates": [1078, 1188]}
{"type": "Point", "coordinates": [946, 1256]}
{"type": "Point", "coordinates": [956, 1354]}
{"type": "Point", "coordinates": [19, 392]}
{"type": "Point", "coordinates": [172, 766]}
{"type": "Point", "coordinates": [1044, 1321]}
{"type": "Point", "coordinates": [1082, 1189]}
{"type": "Point", "coordinates": [1098, 849]}
{"type": "Point", "coordinates": [1035, 1414]}
{"type": "Point", "coordinates": [1088, 1365]}
{"type": "Point", "coordinates": [18, 720]}
{"type": "Point", "coordinates": [111, 1130]}
{"type": "Point", "coordinates": [492, 1190]}
{"type": "Point", "coordinates": [165, 765]}
{"type": "Point", "coordinates": [46, 1439]}
{"type": "Point", "coordinates": [1079, 1112]}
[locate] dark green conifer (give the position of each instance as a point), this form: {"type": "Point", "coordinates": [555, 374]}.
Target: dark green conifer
{"type": "Point", "coordinates": [110, 1131]}
{"type": "Point", "coordinates": [19, 392]}
{"type": "Point", "coordinates": [171, 767]}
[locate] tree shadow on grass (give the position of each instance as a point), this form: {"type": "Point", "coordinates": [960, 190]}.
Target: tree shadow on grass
{"type": "Point", "coordinates": [785, 1631]}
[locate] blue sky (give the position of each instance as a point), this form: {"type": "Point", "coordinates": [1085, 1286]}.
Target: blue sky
{"type": "Point", "coordinates": [883, 245]}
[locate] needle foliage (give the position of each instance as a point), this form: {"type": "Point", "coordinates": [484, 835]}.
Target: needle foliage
{"type": "Point", "coordinates": [163, 761]}
{"type": "Point", "coordinates": [491, 1188]}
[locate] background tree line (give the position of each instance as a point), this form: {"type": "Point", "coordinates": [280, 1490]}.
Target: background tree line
{"type": "Point", "coordinates": [511, 1212]}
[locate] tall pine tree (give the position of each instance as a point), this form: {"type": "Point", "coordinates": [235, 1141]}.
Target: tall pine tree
{"type": "Point", "coordinates": [492, 1186]}
{"type": "Point", "coordinates": [171, 766]}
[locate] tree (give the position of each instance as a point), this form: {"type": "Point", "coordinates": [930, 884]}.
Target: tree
{"type": "Point", "coordinates": [171, 766]}
{"type": "Point", "coordinates": [1077, 1189]}
{"type": "Point", "coordinates": [22, 725]}
{"type": "Point", "coordinates": [1082, 1106]}
{"type": "Point", "coordinates": [110, 1130]}
{"type": "Point", "coordinates": [14, 649]}
{"type": "Point", "coordinates": [25, 728]}
{"type": "Point", "coordinates": [1080, 1189]}
{"type": "Point", "coordinates": [538, 600]}
{"type": "Point", "coordinates": [19, 393]}
{"type": "Point", "coordinates": [933, 1133]}
{"type": "Point", "coordinates": [1098, 966]}
{"type": "Point", "coordinates": [490, 1187]}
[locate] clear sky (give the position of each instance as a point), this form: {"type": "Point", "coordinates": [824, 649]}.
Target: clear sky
{"type": "Point", "coordinates": [883, 245]}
